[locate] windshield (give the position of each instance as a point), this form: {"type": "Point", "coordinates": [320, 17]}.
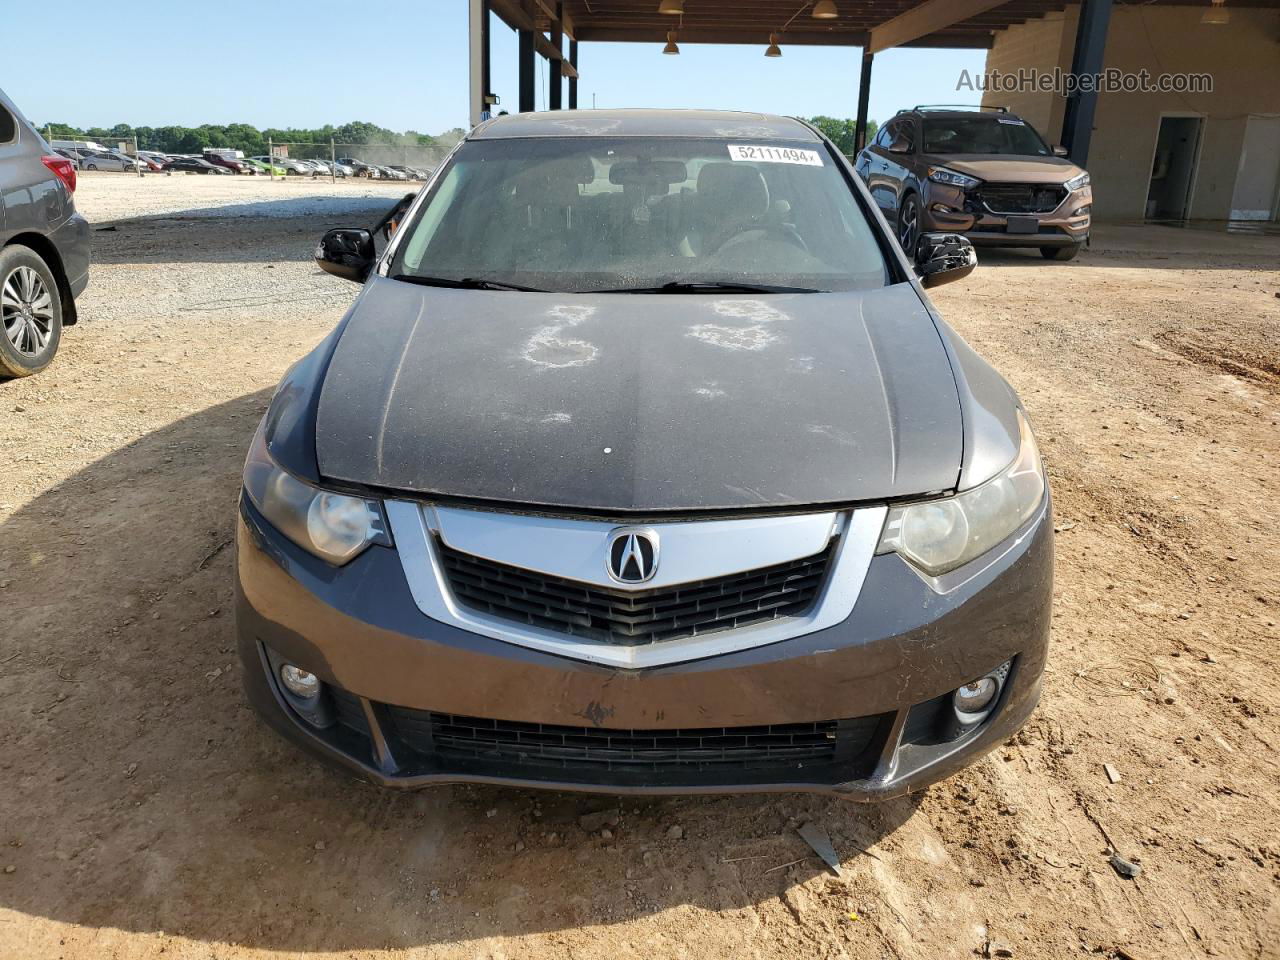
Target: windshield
{"type": "Point", "coordinates": [1007, 135]}
{"type": "Point", "coordinates": [593, 214]}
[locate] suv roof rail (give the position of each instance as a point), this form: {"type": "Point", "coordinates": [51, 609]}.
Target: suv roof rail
{"type": "Point", "coordinates": [957, 106]}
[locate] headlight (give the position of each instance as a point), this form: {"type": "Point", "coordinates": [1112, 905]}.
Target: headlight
{"type": "Point", "coordinates": [940, 535]}
{"type": "Point", "coordinates": [943, 175]}
{"type": "Point", "coordinates": [333, 526]}
{"type": "Point", "coordinates": [1075, 183]}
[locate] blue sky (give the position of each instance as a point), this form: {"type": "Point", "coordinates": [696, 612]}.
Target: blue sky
{"type": "Point", "coordinates": [399, 65]}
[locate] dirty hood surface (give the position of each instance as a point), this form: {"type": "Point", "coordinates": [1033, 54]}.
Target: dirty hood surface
{"type": "Point", "coordinates": [634, 402]}
{"type": "Point", "coordinates": [1002, 168]}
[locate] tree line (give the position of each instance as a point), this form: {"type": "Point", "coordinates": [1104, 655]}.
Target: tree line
{"type": "Point", "coordinates": [246, 137]}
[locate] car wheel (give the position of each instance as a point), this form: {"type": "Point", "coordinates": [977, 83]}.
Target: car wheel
{"type": "Point", "coordinates": [91, 166]}
{"type": "Point", "coordinates": [1060, 253]}
{"type": "Point", "coordinates": [30, 312]}
{"type": "Point", "coordinates": [909, 225]}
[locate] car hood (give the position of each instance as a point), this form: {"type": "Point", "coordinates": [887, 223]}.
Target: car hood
{"type": "Point", "coordinates": [640, 403]}
{"type": "Point", "coordinates": [1003, 168]}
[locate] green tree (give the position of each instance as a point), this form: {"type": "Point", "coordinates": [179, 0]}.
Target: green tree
{"type": "Point", "coordinates": [843, 132]}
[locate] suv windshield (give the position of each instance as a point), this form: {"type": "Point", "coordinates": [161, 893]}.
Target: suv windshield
{"type": "Point", "coordinates": [1007, 135]}
{"type": "Point", "coordinates": [640, 213]}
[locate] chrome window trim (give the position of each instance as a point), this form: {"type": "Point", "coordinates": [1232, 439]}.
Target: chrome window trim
{"type": "Point", "coordinates": [415, 542]}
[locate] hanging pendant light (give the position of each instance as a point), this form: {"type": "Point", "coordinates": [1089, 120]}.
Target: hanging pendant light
{"type": "Point", "coordinates": [671, 44]}
{"type": "Point", "coordinates": [1217, 13]}
{"type": "Point", "coordinates": [773, 50]}
{"type": "Point", "coordinates": [825, 10]}
{"type": "Point", "coordinates": [673, 7]}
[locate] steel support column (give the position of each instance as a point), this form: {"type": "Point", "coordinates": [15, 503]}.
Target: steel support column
{"type": "Point", "coordinates": [557, 40]}
{"type": "Point", "coordinates": [478, 36]}
{"type": "Point", "coordinates": [526, 71]}
{"type": "Point", "coordinates": [1091, 42]}
{"type": "Point", "coordinates": [573, 80]}
{"type": "Point", "coordinates": [864, 96]}
{"type": "Point", "coordinates": [486, 110]}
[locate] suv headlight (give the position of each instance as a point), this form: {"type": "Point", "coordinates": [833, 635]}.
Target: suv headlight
{"type": "Point", "coordinates": [1075, 183]}
{"type": "Point", "coordinates": [333, 526]}
{"type": "Point", "coordinates": [939, 535]}
{"type": "Point", "coordinates": [943, 175]}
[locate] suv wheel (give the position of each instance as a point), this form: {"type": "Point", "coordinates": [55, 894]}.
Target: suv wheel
{"type": "Point", "coordinates": [1060, 253]}
{"type": "Point", "coordinates": [30, 312]}
{"type": "Point", "coordinates": [909, 225]}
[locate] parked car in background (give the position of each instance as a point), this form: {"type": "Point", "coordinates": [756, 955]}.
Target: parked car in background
{"type": "Point", "coordinates": [358, 167]}
{"type": "Point", "coordinates": [263, 168]}
{"type": "Point", "coordinates": [412, 173]}
{"type": "Point", "coordinates": [44, 245]}
{"type": "Point", "coordinates": [150, 164]}
{"type": "Point", "coordinates": [764, 521]}
{"type": "Point", "coordinates": [227, 163]}
{"type": "Point", "coordinates": [193, 165]}
{"type": "Point", "coordinates": [73, 157]}
{"type": "Point", "coordinates": [97, 160]}
{"type": "Point", "coordinates": [984, 173]}
{"type": "Point", "coordinates": [290, 166]}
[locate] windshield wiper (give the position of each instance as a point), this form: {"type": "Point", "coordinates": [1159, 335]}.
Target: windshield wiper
{"type": "Point", "coordinates": [710, 286]}
{"type": "Point", "coordinates": [465, 283]}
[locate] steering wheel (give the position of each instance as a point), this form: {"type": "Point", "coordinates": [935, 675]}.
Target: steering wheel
{"type": "Point", "coordinates": [783, 231]}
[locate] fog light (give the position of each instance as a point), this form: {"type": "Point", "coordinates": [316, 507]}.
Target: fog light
{"type": "Point", "coordinates": [976, 697]}
{"type": "Point", "coordinates": [299, 682]}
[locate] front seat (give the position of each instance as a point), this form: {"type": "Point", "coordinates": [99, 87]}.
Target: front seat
{"type": "Point", "coordinates": [732, 197]}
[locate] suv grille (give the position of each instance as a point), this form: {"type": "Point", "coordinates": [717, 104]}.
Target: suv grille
{"type": "Point", "coordinates": [635, 617]}
{"type": "Point", "coordinates": [1022, 197]}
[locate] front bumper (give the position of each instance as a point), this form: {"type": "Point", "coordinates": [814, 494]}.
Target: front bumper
{"type": "Point", "coordinates": [878, 683]}
{"type": "Point", "coordinates": [948, 209]}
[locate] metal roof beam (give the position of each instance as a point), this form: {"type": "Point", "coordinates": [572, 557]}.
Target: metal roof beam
{"type": "Point", "coordinates": [927, 18]}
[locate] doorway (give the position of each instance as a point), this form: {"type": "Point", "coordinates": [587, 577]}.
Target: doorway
{"type": "Point", "coordinates": [1254, 196]}
{"type": "Point", "coordinates": [1173, 167]}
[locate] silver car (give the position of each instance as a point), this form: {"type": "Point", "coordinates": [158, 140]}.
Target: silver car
{"type": "Point", "coordinates": [44, 246]}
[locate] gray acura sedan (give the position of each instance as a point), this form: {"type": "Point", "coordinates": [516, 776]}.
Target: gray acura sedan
{"type": "Point", "coordinates": [643, 463]}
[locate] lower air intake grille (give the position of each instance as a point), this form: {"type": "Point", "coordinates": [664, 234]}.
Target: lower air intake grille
{"type": "Point", "coordinates": [430, 741]}
{"type": "Point", "coordinates": [635, 617]}
{"type": "Point", "coordinates": [1022, 197]}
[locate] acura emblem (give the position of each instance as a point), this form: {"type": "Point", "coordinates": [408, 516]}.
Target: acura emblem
{"type": "Point", "coordinates": [633, 555]}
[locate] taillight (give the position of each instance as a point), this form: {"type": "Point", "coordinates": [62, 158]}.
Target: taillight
{"type": "Point", "coordinates": [63, 168]}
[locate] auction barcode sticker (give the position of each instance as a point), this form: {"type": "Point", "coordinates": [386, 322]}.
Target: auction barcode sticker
{"type": "Point", "coordinates": [744, 151]}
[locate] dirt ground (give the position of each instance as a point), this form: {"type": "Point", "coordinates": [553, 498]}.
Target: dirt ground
{"type": "Point", "coordinates": [145, 811]}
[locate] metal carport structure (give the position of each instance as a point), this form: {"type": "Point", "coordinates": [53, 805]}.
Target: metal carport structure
{"type": "Point", "coordinates": [553, 30]}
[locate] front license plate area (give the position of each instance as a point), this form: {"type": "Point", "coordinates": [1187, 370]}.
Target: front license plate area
{"type": "Point", "coordinates": [1022, 225]}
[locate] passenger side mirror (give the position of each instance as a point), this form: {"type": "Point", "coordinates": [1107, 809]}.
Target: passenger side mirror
{"type": "Point", "coordinates": [900, 145]}
{"type": "Point", "coordinates": [1059, 150]}
{"type": "Point", "coordinates": [347, 253]}
{"type": "Point", "coordinates": [943, 257]}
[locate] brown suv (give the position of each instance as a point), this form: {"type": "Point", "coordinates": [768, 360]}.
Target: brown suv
{"type": "Point", "coordinates": [982, 172]}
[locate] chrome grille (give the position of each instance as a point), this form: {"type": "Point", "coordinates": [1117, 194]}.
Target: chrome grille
{"type": "Point", "coordinates": [635, 617]}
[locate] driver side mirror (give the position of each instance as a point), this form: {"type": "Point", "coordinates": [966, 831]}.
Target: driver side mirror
{"type": "Point", "coordinates": [1059, 150]}
{"type": "Point", "coordinates": [347, 253]}
{"type": "Point", "coordinates": [900, 145]}
{"type": "Point", "coordinates": [943, 257]}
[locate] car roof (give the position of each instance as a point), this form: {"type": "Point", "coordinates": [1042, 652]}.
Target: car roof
{"type": "Point", "coordinates": [933, 114]}
{"type": "Point", "coordinates": [644, 123]}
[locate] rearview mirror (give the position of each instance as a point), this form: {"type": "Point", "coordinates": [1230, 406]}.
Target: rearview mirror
{"type": "Point", "coordinates": [1059, 150]}
{"type": "Point", "coordinates": [347, 253]}
{"type": "Point", "coordinates": [943, 257]}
